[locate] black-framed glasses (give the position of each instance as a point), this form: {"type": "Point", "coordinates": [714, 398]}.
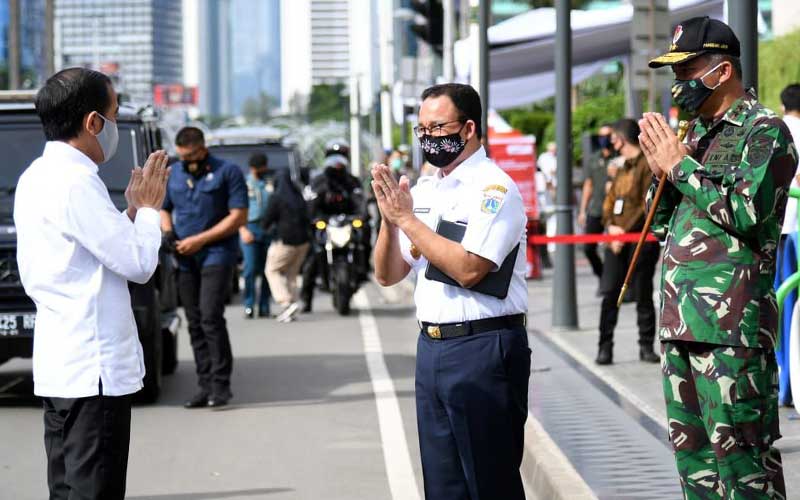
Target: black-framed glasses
{"type": "Point", "coordinates": [434, 130]}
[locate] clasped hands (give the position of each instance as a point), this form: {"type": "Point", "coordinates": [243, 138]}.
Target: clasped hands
{"type": "Point", "coordinates": [394, 198]}
{"type": "Point", "coordinates": [660, 145]}
{"type": "Point", "coordinates": [148, 185]}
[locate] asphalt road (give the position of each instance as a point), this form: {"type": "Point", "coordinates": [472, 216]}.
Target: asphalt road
{"type": "Point", "coordinates": [303, 423]}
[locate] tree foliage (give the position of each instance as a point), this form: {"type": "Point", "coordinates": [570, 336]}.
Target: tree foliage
{"type": "Point", "coordinates": [258, 109]}
{"type": "Point", "coordinates": [778, 66]}
{"type": "Point", "coordinates": [327, 102]}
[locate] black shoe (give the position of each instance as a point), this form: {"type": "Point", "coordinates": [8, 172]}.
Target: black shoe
{"type": "Point", "coordinates": [200, 400]}
{"type": "Point", "coordinates": [263, 313]}
{"type": "Point", "coordinates": [248, 312]}
{"type": "Point", "coordinates": [647, 355]}
{"type": "Point", "coordinates": [605, 355]}
{"type": "Point", "coordinates": [217, 402]}
{"type": "Point", "coordinates": [306, 307]}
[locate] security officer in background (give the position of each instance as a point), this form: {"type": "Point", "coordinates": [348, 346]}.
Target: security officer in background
{"type": "Point", "coordinates": [206, 203]}
{"type": "Point", "coordinates": [255, 241]}
{"type": "Point", "coordinates": [336, 191]}
{"type": "Point", "coordinates": [590, 215]}
{"type": "Point", "coordinates": [720, 215]}
{"type": "Point", "coordinates": [473, 360]}
{"type": "Point", "coordinates": [623, 212]}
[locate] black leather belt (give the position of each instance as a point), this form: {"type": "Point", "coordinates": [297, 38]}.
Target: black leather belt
{"type": "Point", "coordinates": [452, 330]}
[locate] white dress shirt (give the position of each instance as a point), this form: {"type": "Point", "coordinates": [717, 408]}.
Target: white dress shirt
{"type": "Point", "coordinates": [790, 216]}
{"type": "Point", "coordinates": [480, 194]}
{"type": "Point", "coordinates": [76, 254]}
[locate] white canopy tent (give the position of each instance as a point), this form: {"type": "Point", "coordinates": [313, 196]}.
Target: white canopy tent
{"type": "Point", "coordinates": [521, 61]}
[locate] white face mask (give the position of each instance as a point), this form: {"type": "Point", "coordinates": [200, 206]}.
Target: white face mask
{"type": "Point", "coordinates": [108, 138]}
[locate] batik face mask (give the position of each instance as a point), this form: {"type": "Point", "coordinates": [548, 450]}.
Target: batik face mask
{"type": "Point", "coordinates": [442, 151]}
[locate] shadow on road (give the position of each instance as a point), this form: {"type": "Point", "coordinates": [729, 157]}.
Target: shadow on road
{"type": "Point", "coordinates": [289, 380]}
{"type": "Point", "coordinates": [212, 495]}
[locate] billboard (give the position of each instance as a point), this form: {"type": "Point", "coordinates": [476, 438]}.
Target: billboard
{"type": "Point", "coordinates": [174, 95]}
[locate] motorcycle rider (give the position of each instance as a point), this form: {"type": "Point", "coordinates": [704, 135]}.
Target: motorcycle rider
{"type": "Point", "coordinates": [334, 192]}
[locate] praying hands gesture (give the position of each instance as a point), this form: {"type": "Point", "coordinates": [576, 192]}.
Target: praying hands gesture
{"type": "Point", "coordinates": [660, 145]}
{"type": "Point", "coordinates": [394, 199]}
{"type": "Point", "coordinates": [148, 186]}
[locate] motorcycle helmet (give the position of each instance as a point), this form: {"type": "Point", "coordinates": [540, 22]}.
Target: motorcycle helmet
{"type": "Point", "coordinates": [337, 147]}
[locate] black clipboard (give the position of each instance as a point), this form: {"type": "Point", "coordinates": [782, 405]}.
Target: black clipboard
{"type": "Point", "coordinates": [496, 283]}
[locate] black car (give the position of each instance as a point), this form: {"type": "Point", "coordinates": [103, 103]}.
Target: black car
{"type": "Point", "coordinates": [154, 303]}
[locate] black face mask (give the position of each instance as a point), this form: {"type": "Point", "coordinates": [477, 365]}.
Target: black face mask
{"type": "Point", "coordinates": [442, 151]}
{"type": "Point", "coordinates": [690, 95]}
{"type": "Point", "coordinates": [604, 142]}
{"type": "Point", "coordinates": [262, 175]}
{"type": "Point", "coordinates": [197, 168]}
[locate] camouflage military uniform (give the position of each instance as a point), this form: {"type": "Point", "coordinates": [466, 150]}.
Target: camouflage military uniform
{"type": "Point", "coordinates": [721, 219]}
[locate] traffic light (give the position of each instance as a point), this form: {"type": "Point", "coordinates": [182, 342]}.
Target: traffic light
{"type": "Point", "coordinates": [428, 24]}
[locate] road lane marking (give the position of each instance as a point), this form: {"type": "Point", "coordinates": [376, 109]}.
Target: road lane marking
{"type": "Point", "coordinates": [402, 481]}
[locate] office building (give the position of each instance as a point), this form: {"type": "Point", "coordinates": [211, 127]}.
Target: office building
{"type": "Point", "coordinates": [139, 43]}
{"type": "Point", "coordinates": [240, 54]}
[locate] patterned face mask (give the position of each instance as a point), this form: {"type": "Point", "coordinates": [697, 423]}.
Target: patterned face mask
{"type": "Point", "coordinates": [442, 151]}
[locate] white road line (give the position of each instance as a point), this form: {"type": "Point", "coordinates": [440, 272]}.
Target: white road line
{"type": "Point", "coordinates": [402, 481]}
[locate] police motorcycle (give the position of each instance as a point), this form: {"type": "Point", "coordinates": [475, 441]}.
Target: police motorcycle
{"type": "Point", "coordinates": [339, 245]}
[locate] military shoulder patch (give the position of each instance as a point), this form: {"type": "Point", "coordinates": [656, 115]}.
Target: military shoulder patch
{"type": "Point", "coordinates": [493, 197]}
{"type": "Point", "coordinates": [759, 149]}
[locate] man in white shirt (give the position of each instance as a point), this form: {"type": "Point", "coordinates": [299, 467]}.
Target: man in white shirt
{"type": "Point", "coordinates": [76, 254]}
{"type": "Point", "coordinates": [473, 359]}
{"type": "Point", "coordinates": [790, 99]}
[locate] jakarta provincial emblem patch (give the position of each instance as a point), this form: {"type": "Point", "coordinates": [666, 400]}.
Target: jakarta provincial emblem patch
{"type": "Point", "coordinates": [493, 197]}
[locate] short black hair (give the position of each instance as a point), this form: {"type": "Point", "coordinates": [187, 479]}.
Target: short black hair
{"type": "Point", "coordinates": [628, 129]}
{"type": "Point", "coordinates": [67, 97]}
{"type": "Point", "coordinates": [190, 136]}
{"type": "Point", "coordinates": [464, 97]}
{"type": "Point", "coordinates": [258, 160]}
{"type": "Point", "coordinates": [715, 58]}
{"type": "Point", "coordinates": [790, 97]}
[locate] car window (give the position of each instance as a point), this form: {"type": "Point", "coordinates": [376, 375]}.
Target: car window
{"type": "Point", "coordinates": [21, 143]}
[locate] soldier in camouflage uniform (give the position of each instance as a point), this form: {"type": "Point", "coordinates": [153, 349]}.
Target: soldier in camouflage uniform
{"type": "Point", "coordinates": [721, 218]}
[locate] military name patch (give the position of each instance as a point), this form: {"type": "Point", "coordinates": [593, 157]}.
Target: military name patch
{"type": "Point", "coordinates": [493, 197]}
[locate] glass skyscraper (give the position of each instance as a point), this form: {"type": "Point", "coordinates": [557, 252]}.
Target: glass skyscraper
{"type": "Point", "coordinates": [240, 54]}
{"type": "Point", "coordinates": [139, 43]}
{"type": "Point", "coordinates": [33, 66]}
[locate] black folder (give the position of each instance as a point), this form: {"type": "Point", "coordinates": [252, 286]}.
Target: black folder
{"type": "Point", "coordinates": [495, 283]}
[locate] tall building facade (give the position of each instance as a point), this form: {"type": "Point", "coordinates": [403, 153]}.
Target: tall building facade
{"type": "Point", "coordinates": [240, 54]}
{"type": "Point", "coordinates": [139, 43]}
{"type": "Point", "coordinates": [330, 41]}
{"type": "Point", "coordinates": [33, 65]}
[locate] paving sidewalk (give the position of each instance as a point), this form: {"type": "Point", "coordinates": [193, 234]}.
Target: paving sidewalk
{"type": "Point", "coordinates": [628, 381]}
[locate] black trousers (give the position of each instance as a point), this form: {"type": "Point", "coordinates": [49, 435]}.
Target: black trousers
{"type": "Point", "coordinates": [615, 266]}
{"type": "Point", "coordinates": [203, 292]}
{"type": "Point", "coordinates": [87, 441]}
{"type": "Point", "coordinates": [472, 403]}
{"type": "Point", "coordinates": [594, 225]}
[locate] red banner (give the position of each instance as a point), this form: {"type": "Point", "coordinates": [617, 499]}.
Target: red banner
{"type": "Point", "coordinates": [516, 155]}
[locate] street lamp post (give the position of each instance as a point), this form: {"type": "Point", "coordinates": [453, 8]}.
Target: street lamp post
{"type": "Point", "coordinates": [565, 310]}
{"type": "Point", "coordinates": [743, 19]}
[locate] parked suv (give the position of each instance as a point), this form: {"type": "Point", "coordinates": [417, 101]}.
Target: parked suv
{"type": "Point", "coordinates": [154, 303]}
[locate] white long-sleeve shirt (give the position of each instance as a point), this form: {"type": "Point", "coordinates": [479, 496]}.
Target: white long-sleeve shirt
{"type": "Point", "coordinates": [76, 254]}
{"type": "Point", "coordinates": [790, 216]}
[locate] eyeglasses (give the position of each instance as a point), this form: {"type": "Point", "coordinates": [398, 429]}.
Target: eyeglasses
{"type": "Point", "coordinates": [434, 130]}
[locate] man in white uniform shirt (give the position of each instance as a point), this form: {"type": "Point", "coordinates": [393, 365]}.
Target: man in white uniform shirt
{"type": "Point", "coordinates": [76, 254]}
{"type": "Point", "coordinates": [790, 99]}
{"type": "Point", "coordinates": [473, 359]}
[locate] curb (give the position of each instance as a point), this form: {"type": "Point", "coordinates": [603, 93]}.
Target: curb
{"type": "Point", "coordinates": [547, 471]}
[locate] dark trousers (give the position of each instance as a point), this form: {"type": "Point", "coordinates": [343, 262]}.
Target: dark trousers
{"type": "Point", "coordinates": [254, 256]}
{"type": "Point", "coordinates": [316, 264]}
{"type": "Point", "coordinates": [472, 403]}
{"type": "Point", "coordinates": [615, 266]}
{"type": "Point", "coordinates": [87, 441]}
{"type": "Point", "coordinates": [594, 225]}
{"type": "Point", "coordinates": [203, 292]}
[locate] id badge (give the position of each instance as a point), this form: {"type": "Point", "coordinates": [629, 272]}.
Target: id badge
{"type": "Point", "coordinates": [618, 205]}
